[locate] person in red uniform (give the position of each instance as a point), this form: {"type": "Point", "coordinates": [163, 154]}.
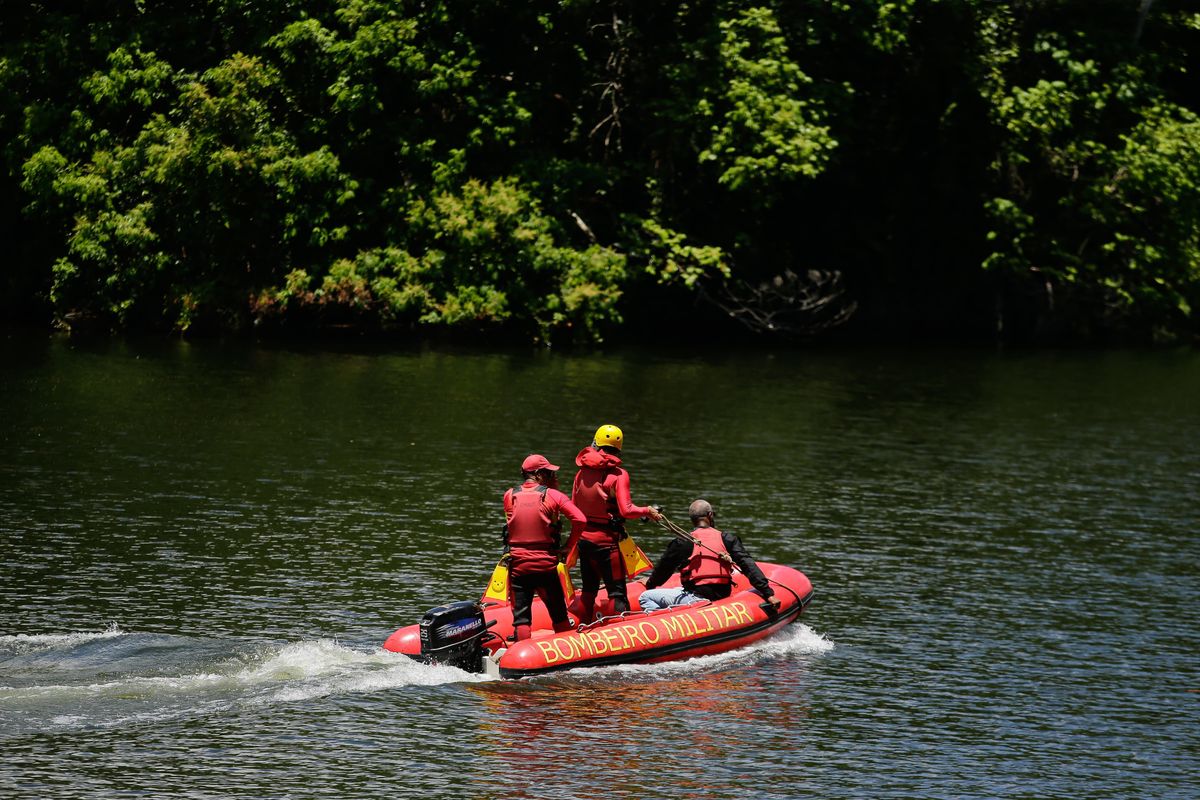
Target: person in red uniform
{"type": "Point", "coordinates": [532, 534]}
{"type": "Point", "coordinates": [601, 491]}
{"type": "Point", "coordinates": [705, 569]}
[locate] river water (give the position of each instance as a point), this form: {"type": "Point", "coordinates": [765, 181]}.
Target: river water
{"type": "Point", "coordinates": [204, 546]}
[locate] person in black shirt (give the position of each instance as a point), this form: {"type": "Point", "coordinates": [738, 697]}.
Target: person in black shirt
{"type": "Point", "coordinates": [705, 565]}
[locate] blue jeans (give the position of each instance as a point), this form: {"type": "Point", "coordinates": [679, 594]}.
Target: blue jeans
{"type": "Point", "coordinates": [653, 599]}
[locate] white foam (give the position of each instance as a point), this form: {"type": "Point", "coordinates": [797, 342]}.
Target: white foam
{"type": "Point", "coordinates": [30, 642]}
{"type": "Point", "coordinates": [406, 673]}
{"type": "Point", "coordinates": [67, 719]}
{"type": "Point", "coordinates": [152, 716]}
{"type": "Point", "coordinates": [298, 661]}
{"type": "Point", "coordinates": [799, 640]}
{"type": "Point", "coordinates": [323, 668]}
{"type": "Point", "coordinates": [283, 674]}
{"type": "Point", "coordinates": [133, 688]}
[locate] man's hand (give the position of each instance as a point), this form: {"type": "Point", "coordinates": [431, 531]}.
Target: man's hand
{"type": "Point", "coordinates": [774, 601]}
{"type": "Point", "coordinates": [655, 514]}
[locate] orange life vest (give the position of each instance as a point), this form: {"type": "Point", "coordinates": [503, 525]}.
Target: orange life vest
{"type": "Point", "coordinates": [705, 566]}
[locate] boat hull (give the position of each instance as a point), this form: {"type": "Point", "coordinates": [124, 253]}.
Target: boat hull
{"type": "Point", "coordinates": [638, 637]}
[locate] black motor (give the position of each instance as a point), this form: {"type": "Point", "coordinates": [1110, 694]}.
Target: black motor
{"type": "Point", "coordinates": [452, 634]}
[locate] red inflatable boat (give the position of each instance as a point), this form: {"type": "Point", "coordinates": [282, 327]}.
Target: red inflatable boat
{"type": "Point", "coordinates": [475, 635]}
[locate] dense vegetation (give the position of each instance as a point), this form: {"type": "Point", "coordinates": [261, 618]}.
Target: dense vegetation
{"type": "Point", "coordinates": [554, 169]}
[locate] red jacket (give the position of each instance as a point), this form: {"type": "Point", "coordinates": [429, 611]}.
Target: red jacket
{"type": "Point", "coordinates": [532, 516]}
{"type": "Point", "coordinates": [601, 492]}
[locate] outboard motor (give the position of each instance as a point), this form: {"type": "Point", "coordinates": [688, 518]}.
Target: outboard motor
{"type": "Point", "coordinates": [452, 634]}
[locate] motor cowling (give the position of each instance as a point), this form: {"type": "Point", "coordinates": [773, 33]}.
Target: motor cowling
{"type": "Point", "coordinates": [452, 634]}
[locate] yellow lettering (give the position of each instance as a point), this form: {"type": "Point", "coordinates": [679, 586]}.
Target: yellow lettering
{"type": "Point", "coordinates": [548, 651]}
{"type": "Point", "coordinates": [624, 638]}
{"type": "Point", "coordinates": [584, 644]}
{"type": "Point", "coordinates": [704, 613]}
{"type": "Point", "coordinates": [635, 637]}
{"type": "Point", "coordinates": [654, 630]}
{"type": "Point", "coordinates": [597, 640]}
{"type": "Point", "coordinates": [742, 612]}
{"type": "Point", "coordinates": [731, 616]}
{"type": "Point", "coordinates": [672, 626]}
{"type": "Point", "coordinates": [609, 635]}
{"type": "Point", "coordinates": [560, 643]}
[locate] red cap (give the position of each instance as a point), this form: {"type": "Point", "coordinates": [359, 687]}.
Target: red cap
{"type": "Point", "coordinates": [535, 462]}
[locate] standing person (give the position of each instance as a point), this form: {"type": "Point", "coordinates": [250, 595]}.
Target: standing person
{"type": "Point", "coordinates": [601, 491]}
{"type": "Point", "coordinates": [533, 535]}
{"type": "Point", "coordinates": [705, 568]}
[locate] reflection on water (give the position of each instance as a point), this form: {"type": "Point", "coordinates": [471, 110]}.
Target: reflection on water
{"type": "Point", "coordinates": [202, 547]}
{"type": "Point", "coordinates": [642, 723]}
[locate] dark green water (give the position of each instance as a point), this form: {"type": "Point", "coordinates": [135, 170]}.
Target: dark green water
{"type": "Point", "coordinates": [202, 547]}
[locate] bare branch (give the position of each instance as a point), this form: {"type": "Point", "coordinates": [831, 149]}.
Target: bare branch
{"type": "Point", "coordinates": [613, 92]}
{"type": "Point", "coordinates": [788, 304]}
{"type": "Point", "coordinates": [583, 226]}
{"type": "Point", "coordinates": [1143, 12]}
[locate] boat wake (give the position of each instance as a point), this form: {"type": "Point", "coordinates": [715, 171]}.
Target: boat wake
{"type": "Point", "coordinates": [115, 678]}
{"type": "Point", "coordinates": [22, 643]}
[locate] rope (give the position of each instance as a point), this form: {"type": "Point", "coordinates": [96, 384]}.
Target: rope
{"type": "Point", "coordinates": [680, 533]}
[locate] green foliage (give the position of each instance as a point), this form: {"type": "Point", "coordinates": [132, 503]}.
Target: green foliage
{"type": "Point", "coordinates": [488, 249]}
{"type": "Point", "coordinates": [1149, 212]}
{"type": "Point", "coordinates": [672, 260]}
{"type": "Point", "coordinates": [541, 169]}
{"type": "Point", "coordinates": [479, 258]}
{"type": "Point", "coordinates": [134, 81]}
{"type": "Point", "coordinates": [201, 202]}
{"type": "Point", "coordinates": [1099, 202]}
{"type": "Point", "coordinates": [764, 129]}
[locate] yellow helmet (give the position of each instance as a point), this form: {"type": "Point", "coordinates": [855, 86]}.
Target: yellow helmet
{"type": "Point", "coordinates": [608, 436]}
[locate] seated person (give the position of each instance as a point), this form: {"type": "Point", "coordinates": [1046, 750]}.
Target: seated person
{"type": "Point", "coordinates": [705, 567]}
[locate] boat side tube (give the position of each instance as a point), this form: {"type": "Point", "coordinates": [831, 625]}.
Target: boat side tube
{"type": "Point", "coordinates": [702, 628]}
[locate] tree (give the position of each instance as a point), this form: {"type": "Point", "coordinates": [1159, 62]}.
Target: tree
{"type": "Point", "coordinates": [1096, 215]}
